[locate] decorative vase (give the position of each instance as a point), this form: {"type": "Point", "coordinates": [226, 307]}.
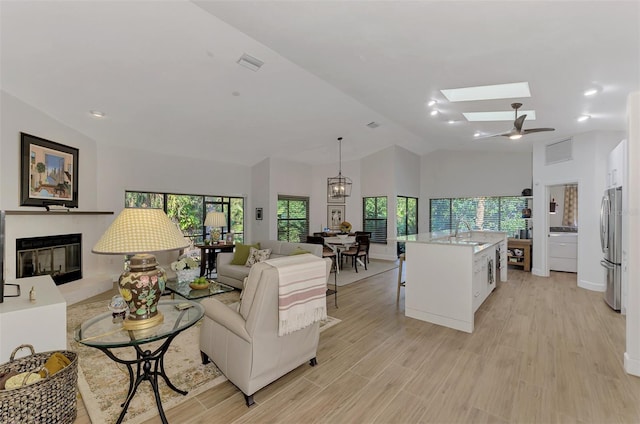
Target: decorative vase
{"type": "Point", "coordinates": [141, 287]}
{"type": "Point", "coordinates": [187, 275]}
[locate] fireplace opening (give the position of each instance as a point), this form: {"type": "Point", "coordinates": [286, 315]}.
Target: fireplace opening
{"type": "Point", "coordinates": [59, 256]}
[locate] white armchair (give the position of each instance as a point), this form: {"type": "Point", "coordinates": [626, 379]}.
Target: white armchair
{"type": "Point", "coordinates": [242, 338]}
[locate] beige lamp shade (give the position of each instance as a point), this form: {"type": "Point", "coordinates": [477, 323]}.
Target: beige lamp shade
{"type": "Point", "coordinates": [140, 230]}
{"type": "Point", "coordinates": [215, 219]}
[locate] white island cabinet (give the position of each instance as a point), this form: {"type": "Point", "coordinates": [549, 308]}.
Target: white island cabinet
{"type": "Point", "coordinates": [448, 278]}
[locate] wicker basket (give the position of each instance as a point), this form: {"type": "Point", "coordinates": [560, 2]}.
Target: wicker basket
{"type": "Point", "coordinates": [50, 400]}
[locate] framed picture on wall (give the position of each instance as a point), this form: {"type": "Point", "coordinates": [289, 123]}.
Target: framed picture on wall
{"type": "Point", "coordinates": [335, 216]}
{"type": "Point", "coordinates": [48, 174]}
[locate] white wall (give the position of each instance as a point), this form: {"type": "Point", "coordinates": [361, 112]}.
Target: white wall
{"type": "Point", "coordinates": [17, 117]}
{"type": "Point", "coordinates": [260, 184]}
{"type": "Point", "coordinates": [449, 173]}
{"type": "Point", "coordinates": [631, 238]}
{"type": "Point", "coordinates": [588, 169]}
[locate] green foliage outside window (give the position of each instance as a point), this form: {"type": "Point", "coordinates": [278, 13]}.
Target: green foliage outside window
{"type": "Point", "coordinates": [189, 211]}
{"type": "Point", "coordinates": [375, 218]}
{"type": "Point", "coordinates": [407, 215]}
{"type": "Point", "coordinates": [293, 218]}
{"type": "Point", "coordinates": [483, 213]}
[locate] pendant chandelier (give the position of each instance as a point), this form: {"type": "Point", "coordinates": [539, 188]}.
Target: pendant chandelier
{"type": "Point", "coordinates": [339, 187]}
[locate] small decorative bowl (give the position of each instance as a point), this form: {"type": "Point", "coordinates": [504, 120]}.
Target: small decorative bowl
{"type": "Point", "coordinates": [199, 286]}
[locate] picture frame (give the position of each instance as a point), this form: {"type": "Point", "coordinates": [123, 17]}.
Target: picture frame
{"type": "Point", "coordinates": [229, 238]}
{"type": "Point", "coordinates": [335, 216]}
{"type": "Point", "coordinates": [48, 173]}
{"type": "Point", "coordinates": [259, 214]}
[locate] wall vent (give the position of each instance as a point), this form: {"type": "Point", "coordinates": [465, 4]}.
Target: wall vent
{"type": "Point", "coordinates": [560, 151]}
{"type": "Point", "coordinates": [373, 124]}
{"type": "Point", "coordinates": [250, 62]}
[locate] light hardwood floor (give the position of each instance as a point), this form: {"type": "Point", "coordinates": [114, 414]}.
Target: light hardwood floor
{"type": "Point", "coordinates": [544, 351]}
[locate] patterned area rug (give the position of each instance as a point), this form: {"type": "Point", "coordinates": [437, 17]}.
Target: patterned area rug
{"type": "Point", "coordinates": [103, 383]}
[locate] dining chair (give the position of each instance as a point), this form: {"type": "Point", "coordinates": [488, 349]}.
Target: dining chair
{"type": "Point", "coordinates": [359, 250]}
{"type": "Point", "coordinates": [368, 234]}
{"type": "Point", "coordinates": [327, 252]}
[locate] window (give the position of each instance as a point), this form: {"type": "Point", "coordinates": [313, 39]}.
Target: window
{"type": "Point", "coordinates": [293, 218]}
{"type": "Point", "coordinates": [189, 211]}
{"type": "Point", "coordinates": [374, 217]}
{"type": "Point", "coordinates": [484, 213]}
{"type": "Point", "coordinates": [407, 215]}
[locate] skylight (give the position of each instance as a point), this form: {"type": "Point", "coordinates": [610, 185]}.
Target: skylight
{"type": "Point", "coordinates": [488, 92]}
{"type": "Point", "coordinates": [499, 116]}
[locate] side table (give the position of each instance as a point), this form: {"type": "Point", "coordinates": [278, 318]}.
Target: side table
{"type": "Point", "coordinates": [208, 253]}
{"type": "Point", "coordinates": [102, 333]}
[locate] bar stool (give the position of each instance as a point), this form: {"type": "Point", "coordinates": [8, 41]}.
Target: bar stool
{"type": "Point", "coordinates": [400, 282]}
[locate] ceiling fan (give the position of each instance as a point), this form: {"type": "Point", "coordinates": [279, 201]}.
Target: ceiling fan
{"type": "Point", "coordinates": [517, 131]}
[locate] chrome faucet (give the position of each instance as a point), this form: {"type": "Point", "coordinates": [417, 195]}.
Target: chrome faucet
{"type": "Point", "coordinates": [458, 226]}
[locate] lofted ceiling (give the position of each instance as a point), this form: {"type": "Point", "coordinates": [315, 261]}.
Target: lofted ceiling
{"type": "Point", "coordinates": [165, 72]}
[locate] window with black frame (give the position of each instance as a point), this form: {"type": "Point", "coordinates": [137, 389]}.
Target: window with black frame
{"type": "Point", "coordinates": [406, 218]}
{"type": "Point", "coordinates": [189, 211]}
{"type": "Point", "coordinates": [374, 218]}
{"type": "Point", "coordinates": [498, 213]}
{"type": "Point", "coordinates": [293, 218]}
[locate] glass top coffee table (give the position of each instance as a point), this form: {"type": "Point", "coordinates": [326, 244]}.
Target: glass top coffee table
{"type": "Point", "coordinates": [183, 289]}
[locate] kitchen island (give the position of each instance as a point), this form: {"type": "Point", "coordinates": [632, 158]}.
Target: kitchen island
{"type": "Point", "coordinates": [448, 277]}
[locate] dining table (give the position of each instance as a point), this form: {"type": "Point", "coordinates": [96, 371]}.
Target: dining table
{"type": "Point", "coordinates": [338, 244]}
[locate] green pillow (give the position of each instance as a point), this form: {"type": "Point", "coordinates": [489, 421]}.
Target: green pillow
{"type": "Point", "coordinates": [241, 253]}
{"type": "Point", "coordinates": [298, 251]}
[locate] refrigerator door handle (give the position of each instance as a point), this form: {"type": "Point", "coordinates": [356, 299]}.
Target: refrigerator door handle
{"type": "Point", "coordinates": [607, 265]}
{"type": "Point", "coordinates": [604, 221]}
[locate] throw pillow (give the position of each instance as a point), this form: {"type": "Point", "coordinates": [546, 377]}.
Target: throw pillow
{"type": "Point", "coordinates": [298, 251]}
{"type": "Point", "coordinates": [241, 253]}
{"type": "Point", "coordinates": [257, 255]}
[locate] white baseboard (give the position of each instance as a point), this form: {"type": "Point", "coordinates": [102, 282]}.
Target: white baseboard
{"type": "Point", "coordinates": [588, 285]}
{"type": "Point", "coordinates": [631, 366]}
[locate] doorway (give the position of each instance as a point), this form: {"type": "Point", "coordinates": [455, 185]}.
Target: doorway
{"type": "Point", "coordinates": [562, 240]}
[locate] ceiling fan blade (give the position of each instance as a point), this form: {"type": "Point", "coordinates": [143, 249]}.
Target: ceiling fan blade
{"type": "Point", "coordinates": [535, 130]}
{"type": "Point", "coordinates": [491, 136]}
{"type": "Point", "coordinates": [518, 123]}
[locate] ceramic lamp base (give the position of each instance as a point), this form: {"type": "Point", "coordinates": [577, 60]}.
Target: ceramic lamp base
{"type": "Point", "coordinates": [141, 288]}
{"type": "Point", "coordinates": [141, 324]}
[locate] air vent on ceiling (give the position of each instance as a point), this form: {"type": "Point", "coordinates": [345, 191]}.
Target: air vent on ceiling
{"type": "Point", "coordinates": [250, 62]}
{"type": "Point", "coordinates": [560, 151]}
{"type": "Point", "coordinates": [373, 124]}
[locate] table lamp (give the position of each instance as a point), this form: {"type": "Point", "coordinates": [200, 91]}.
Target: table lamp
{"type": "Point", "coordinates": [141, 232]}
{"type": "Point", "coordinates": [215, 220]}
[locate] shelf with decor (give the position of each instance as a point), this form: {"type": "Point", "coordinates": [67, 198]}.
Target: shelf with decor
{"type": "Point", "coordinates": [522, 260]}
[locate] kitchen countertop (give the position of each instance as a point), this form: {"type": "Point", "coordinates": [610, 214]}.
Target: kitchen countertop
{"type": "Point", "coordinates": [478, 240]}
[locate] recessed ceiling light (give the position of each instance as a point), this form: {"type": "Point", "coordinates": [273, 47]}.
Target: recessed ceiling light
{"type": "Point", "coordinates": [250, 62]}
{"type": "Point", "coordinates": [488, 92]}
{"type": "Point", "coordinates": [476, 134]}
{"type": "Point", "coordinates": [97, 113]}
{"type": "Point", "coordinates": [433, 113]}
{"type": "Point", "coordinates": [451, 121]}
{"type": "Point", "coordinates": [431, 103]}
{"type": "Point", "coordinates": [591, 92]}
{"type": "Point", "coordinates": [498, 116]}
{"type": "Point", "coordinates": [583, 118]}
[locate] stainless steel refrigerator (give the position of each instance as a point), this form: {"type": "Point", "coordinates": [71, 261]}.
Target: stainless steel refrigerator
{"type": "Point", "coordinates": [611, 241]}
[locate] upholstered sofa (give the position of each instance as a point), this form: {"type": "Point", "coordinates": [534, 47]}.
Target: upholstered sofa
{"type": "Point", "coordinates": [234, 275]}
{"type": "Point", "coordinates": [242, 338]}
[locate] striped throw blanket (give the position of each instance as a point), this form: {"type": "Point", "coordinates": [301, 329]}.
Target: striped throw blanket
{"type": "Point", "coordinates": [302, 291]}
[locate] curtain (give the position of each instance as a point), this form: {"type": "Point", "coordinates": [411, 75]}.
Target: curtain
{"type": "Point", "coordinates": [570, 214]}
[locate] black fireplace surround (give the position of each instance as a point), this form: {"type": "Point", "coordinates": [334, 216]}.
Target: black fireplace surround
{"type": "Point", "coordinates": [59, 256]}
